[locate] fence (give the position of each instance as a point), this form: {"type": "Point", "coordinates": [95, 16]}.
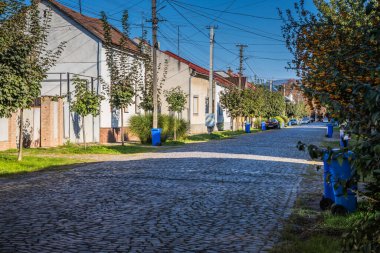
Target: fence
{"type": "Point", "coordinates": [49, 121]}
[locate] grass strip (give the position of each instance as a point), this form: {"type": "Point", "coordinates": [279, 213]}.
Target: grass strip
{"type": "Point", "coordinates": [9, 164]}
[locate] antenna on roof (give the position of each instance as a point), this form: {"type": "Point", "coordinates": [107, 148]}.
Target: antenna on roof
{"type": "Point", "coordinates": [80, 6]}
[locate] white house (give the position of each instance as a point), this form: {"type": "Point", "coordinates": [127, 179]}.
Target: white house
{"type": "Point", "coordinates": [84, 55]}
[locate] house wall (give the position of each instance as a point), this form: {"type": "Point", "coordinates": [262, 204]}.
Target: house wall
{"type": "Point", "coordinates": [42, 126]}
{"type": "Point", "coordinates": [8, 129]}
{"type": "Point", "coordinates": [80, 55]}
{"type": "Point", "coordinates": [222, 118]}
{"type": "Point", "coordinates": [199, 86]}
{"type": "Point", "coordinates": [178, 74]}
{"type": "Point", "coordinates": [110, 118]}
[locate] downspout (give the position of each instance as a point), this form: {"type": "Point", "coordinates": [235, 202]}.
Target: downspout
{"type": "Point", "coordinates": [189, 112]}
{"type": "Point", "coordinates": [98, 69]}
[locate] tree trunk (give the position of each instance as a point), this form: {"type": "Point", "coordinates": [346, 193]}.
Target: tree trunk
{"type": "Point", "coordinates": [20, 136]}
{"type": "Point", "coordinates": [84, 133]}
{"type": "Point", "coordinates": [122, 127]}
{"type": "Point", "coordinates": [232, 123]}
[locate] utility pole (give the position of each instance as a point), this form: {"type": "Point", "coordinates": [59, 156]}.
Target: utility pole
{"type": "Point", "coordinates": [271, 85]}
{"type": "Point", "coordinates": [211, 72]}
{"type": "Point", "coordinates": [155, 47]}
{"type": "Point", "coordinates": [80, 6]}
{"type": "Point", "coordinates": [210, 117]}
{"type": "Point", "coordinates": [241, 48]}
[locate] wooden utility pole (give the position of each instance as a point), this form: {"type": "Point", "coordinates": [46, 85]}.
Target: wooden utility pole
{"type": "Point", "coordinates": [241, 68]}
{"type": "Point", "coordinates": [155, 47]}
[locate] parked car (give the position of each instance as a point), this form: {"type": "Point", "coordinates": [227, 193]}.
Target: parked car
{"type": "Point", "coordinates": [305, 120]}
{"type": "Point", "coordinates": [272, 123]}
{"type": "Point", "coordinates": [325, 120]}
{"type": "Point", "coordinates": [293, 122]}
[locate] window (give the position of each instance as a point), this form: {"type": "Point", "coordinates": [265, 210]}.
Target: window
{"type": "Point", "coordinates": [195, 105]}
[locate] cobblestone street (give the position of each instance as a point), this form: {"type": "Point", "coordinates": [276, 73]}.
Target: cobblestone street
{"type": "Point", "coordinates": [220, 196]}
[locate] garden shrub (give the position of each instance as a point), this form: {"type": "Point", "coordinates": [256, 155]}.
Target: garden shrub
{"type": "Point", "coordinates": [141, 125]}
{"type": "Point", "coordinates": [285, 118]}
{"type": "Point", "coordinates": [257, 123]}
{"type": "Point", "coordinates": [280, 120]}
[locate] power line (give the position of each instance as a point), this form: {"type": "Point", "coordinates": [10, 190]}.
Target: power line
{"type": "Point", "coordinates": [197, 27]}
{"type": "Point", "coordinates": [236, 27]}
{"type": "Point", "coordinates": [229, 12]}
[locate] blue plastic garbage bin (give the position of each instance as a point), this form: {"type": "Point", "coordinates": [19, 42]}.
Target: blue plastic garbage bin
{"type": "Point", "coordinates": [330, 130]}
{"type": "Point", "coordinates": [156, 136]}
{"type": "Point", "coordinates": [341, 173]}
{"type": "Point", "coordinates": [328, 193]}
{"type": "Point", "coordinates": [247, 127]}
{"type": "Point", "coordinates": [263, 126]}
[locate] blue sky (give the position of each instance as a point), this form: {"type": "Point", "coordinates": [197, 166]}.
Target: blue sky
{"type": "Point", "coordinates": [258, 27]}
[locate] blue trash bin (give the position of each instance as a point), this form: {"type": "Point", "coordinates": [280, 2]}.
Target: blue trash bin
{"type": "Point", "coordinates": [341, 172]}
{"type": "Point", "coordinates": [330, 130]}
{"type": "Point", "coordinates": [156, 136]}
{"type": "Point", "coordinates": [247, 127]}
{"type": "Point", "coordinates": [263, 126]}
{"type": "Point", "coordinates": [328, 193]}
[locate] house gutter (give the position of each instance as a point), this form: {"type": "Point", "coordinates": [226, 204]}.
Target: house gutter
{"type": "Point", "coordinates": [98, 88]}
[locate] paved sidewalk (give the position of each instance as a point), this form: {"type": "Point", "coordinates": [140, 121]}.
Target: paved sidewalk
{"type": "Point", "coordinates": [221, 196]}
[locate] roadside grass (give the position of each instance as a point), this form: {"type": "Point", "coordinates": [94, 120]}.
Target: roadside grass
{"type": "Point", "coordinates": [35, 159]}
{"type": "Point", "coordinates": [220, 135]}
{"type": "Point", "coordinates": [308, 229]}
{"type": "Point", "coordinates": [9, 164]}
{"type": "Point", "coordinates": [72, 149]}
{"type": "Point", "coordinates": [331, 144]}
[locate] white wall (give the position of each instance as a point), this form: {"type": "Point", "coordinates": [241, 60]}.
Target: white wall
{"type": "Point", "coordinates": [178, 75]}
{"type": "Point", "coordinates": [221, 114]}
{"type": "Point", "coordinates": [80, 54]}
{"type": "Point", "coordinates": [109, 117]}
{"type": "Point", "coordinates": [4, 131]}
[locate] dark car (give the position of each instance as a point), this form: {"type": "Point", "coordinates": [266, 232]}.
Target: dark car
{"type": "Point", "coordinates": [272, 123]}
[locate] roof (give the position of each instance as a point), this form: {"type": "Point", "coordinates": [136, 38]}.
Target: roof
{"type": "Point", "coordinates": [95, 26]}
{"type": "Point", "coordinates": [224, 82]}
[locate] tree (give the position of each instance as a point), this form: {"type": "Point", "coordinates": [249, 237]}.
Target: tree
{"type": "Point", "coordinates": [24, 57]}
{"type": "Point", "coordinates": [124, 72]}
{"type": "Point", "coordinates": [291, 110]}
{"type": "Point", "coordinates": [253, 102]}
{"type": "Point", "coordinates": [274, 104]}
{"type": "Point", "coordinates": [146, 86]}
{"type": "Point", "coordinates": [297, 110]}
{"type": "Point", "coordinates": [86, 102]}
{"type": "Point", "coordinates": [176, 99]}
{"type": "Point", "coordinates": [336, 54]}
{"type": "Point", "coordinates": [231, 100]}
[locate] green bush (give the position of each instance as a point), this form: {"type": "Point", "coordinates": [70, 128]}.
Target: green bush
{"type": "Point", "coordinates": [285, 118]}
{"type": "Point", "coordinates": [140, 125]}
{"type": "Point", "coordinates": [165, 122]}
{"type": "Point", "coordinates": [182, 128]}
{"type": "Point", "coordinates": [280, 120]}
{"type": "Point", "coordinates": [257, 123]}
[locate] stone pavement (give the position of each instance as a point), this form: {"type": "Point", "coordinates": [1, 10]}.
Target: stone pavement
{"type": "Point", "coordinates": [222, 196]}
